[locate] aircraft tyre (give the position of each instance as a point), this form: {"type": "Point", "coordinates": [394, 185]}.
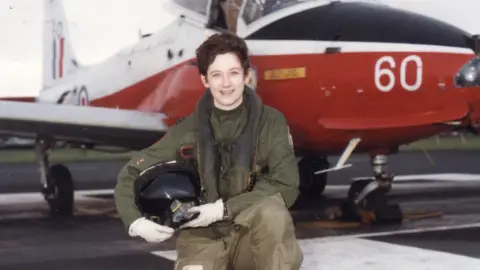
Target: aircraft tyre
{"type": "Point", "coordinates": [312, 185]}
{"type": "Point", "coordinates": [373, 209]}
{"type": "Point", "coordinates": [60, 195]}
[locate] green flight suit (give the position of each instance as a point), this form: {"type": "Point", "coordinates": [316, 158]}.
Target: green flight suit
{"type": "Point", "coordinates": [259, 225]}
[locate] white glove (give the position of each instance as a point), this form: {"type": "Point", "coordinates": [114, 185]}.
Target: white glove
{"type": "Point", "coordinates": [150, 231]}
{"type": "Point", "coordinates": [208, 214]}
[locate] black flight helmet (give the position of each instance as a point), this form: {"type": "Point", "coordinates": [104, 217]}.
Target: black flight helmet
{"type": "Point", "coordinates": [165, 191]}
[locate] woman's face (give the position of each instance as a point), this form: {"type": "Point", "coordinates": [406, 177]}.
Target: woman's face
{"type": "Point", "coordinates": [226, 80]}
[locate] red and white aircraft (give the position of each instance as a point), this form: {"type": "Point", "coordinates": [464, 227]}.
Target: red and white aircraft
{"type": "Point", "coordinates": [349, 76]}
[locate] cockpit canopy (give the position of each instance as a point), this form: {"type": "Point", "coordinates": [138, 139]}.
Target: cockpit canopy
{"type": "Point", "coordinates": [256, 9]}
{"type": "Point", "coordinates": [246, 12]}
{"type": "Point", "coordinates": [327, 20]}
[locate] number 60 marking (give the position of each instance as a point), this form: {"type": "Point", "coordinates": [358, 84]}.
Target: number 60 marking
{"type": "Point", "coordinates": [380, 72]}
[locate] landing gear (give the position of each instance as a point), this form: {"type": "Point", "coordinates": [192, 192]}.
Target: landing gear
{"type": "Point", "coordinates": [367, 200]}
{"type": "Point", "coordinates": [312, 185]}
{"type": "Point", "coordinates": [56, 182]}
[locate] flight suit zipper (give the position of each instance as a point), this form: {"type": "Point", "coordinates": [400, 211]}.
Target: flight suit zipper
{"type": "Point", "coordinates": [253, 173]}
{"type": "Point", "coordinates": [202, 198]}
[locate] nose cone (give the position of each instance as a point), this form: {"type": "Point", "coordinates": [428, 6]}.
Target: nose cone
{"type": "Point", "coordinates": [469, 74]}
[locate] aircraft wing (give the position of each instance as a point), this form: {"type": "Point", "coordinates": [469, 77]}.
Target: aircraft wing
{"type": "Point", "coordinates": [444, 115]}
{"type": "Point", "coordinates": [23, 99]}
{"type": "Point", "coordinates": [105, 126]}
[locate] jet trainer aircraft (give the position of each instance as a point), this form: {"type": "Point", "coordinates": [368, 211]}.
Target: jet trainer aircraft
{"type": "Point", "coordinates": [348, 76]}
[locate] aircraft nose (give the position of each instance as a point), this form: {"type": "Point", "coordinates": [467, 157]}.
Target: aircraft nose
{"type": "Point", "coordinates": [469, 74]}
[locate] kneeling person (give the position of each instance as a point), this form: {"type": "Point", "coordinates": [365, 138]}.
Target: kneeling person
{"type": "Point", "coordinates": [246, 166]}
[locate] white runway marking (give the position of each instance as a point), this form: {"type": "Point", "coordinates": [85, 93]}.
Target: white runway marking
{"type": "Point", "coordinates": [373, 255]}
{"type": "Point", "coordinates": [352, 252]}
{"type": "Point", "coordinates": [451, 177]}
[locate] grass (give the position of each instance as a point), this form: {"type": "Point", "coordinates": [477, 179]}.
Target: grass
{"type": "Point", "coordinates": [78, 155]}
{"type": "Point", "coordinates": [60, 155]}
{"type": "Point", "coordinates": [444, 143]}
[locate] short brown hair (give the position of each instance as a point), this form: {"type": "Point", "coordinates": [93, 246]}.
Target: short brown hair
{"type": "Point", "coordinates": [220, 44]}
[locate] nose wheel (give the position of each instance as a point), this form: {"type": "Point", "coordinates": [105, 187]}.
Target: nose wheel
{"type": "Point", "coordinates": [56, 183]}
{"type": "Point", "coordinates": [367, 200]}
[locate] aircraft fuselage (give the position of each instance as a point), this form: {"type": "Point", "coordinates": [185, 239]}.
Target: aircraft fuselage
{"type": "Point", "coordinates": [336, 71]}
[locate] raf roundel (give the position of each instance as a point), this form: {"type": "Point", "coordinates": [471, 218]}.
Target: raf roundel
{"type": "Point", "coordinates": [83, 97]}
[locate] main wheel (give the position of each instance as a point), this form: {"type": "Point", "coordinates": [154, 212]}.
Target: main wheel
{"type": "Point", "coordinates": [373, 209]}
{"type": "Point", "coordinates": [60, 195]}
{"type": "Point", "coordinates": [312, 185]}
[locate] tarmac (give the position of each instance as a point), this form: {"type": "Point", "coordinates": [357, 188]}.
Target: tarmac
{"type": "Point", "coordinates": [438, 193]}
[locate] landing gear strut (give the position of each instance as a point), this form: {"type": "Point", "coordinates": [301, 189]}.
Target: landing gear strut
{"type": "Point", "coordinates": [367, 200]}
{"type": "Point", "coordinates": [56, 182]}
